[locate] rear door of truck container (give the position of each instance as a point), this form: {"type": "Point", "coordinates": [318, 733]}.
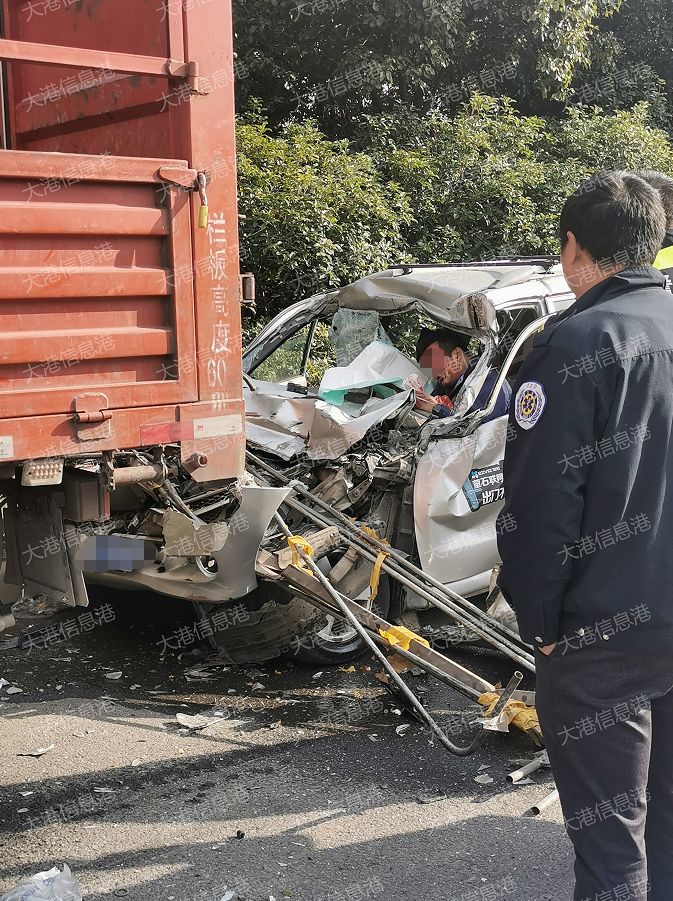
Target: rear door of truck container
{"type": "Point", "coordinates": [119, 315]}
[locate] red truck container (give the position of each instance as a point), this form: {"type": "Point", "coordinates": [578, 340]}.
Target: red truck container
{"type": "Point", "coordinates": [121, 412]}
{"type": "Point", "coordinates": [120, 317]}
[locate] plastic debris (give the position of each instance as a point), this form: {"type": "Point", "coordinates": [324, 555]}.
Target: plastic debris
{"type": "Point", "coordinates": [484, 779]}
{"type": "Point", "coordinates": [205, 672]}
{"type": "Point", "coordinates": [116, 675]}
{"type": "Point", "coordinates": [28, 608]}
{"type": "Point", "coordinates": [240, 834]}
{"type": "Point", "coordinates": [194, 721]}
{"type": "Point", "coordinates": [4, 682]}
{"type": "Point", "coordinates": [37, 752]}
{"type": "Point", "coordinates": [317, 675]}
{"type": "Point", "coordinates": [50, 885]}
{"type": "Point", "coordinates": [258, 687]}
{"type": "Point", "coordinates": [399, 664]}
{"type": "Point", "coordinates": [229, 894]}
{"type": "Point", "coordinates": [403, 728]}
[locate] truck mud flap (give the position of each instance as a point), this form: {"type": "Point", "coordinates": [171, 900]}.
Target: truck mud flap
{"type": "Point", "coordinates": [39, 558]}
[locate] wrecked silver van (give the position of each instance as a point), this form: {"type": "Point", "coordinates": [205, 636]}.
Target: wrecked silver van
{"type": "Point", "coordinates": [330, 402]}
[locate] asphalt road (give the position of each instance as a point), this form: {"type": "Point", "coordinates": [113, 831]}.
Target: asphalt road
{"type": "Point", "coordinates": [302, 788]}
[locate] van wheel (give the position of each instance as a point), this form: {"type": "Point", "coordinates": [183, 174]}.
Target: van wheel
{"type": "Point", "coordinates": [333, 642]}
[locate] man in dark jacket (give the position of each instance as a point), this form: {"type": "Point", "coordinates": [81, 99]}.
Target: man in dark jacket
{"type": "Point", "coordinates": [442, 352]}
{"type": "Point", "coordinates": [587, 559]}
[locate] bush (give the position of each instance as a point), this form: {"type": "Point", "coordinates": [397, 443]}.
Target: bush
{"type": "Point", "coordinates": [469, 178]}
{"type": "Point", "coordinates": [491, 182]}
{"type": "Point", "coordinates": [316, 214]}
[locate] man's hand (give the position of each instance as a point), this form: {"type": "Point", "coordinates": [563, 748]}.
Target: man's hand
{"type": "Point", "coordinates": [425, 401]}
{"type": "Point", "coordinates": [548, 648]}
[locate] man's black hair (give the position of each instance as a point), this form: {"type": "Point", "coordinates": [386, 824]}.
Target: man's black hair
{"type": "Point", "coordinates": [664, 184]}
{"type": "Point", "coordinates": [617, 218]}
{"type": "Point", "coordinates": [447, 339]}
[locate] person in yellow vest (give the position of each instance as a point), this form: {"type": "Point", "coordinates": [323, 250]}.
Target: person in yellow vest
{"type": "Point", "coordinates": [663, 184]}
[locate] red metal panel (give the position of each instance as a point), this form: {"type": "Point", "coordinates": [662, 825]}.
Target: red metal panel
{"type": "Point", "coordinates": [57, 344]}
{"type": "Point", "coordinates": [75, 169]}
{"type": "Point", "coordinates": [73, 280]}
{"type": "Point", "coordinates": [46, 361]}
{"type": "Point", "coordinates": [57, 436]}
{"type": "Point", "coordinates": [80, 218]}
{"type": "Point", "coordinates": [212, 139]}
{"type": "Point", "coordinates": [170, 294]}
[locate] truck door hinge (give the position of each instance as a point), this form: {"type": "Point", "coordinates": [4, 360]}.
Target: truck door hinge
{"type": "Point", "coordinates": [94, 416]}
{"type": "Point", "coordinates": [91, 417]}
{"type": "Point", "coordinates": [180, 177]}
{"type": "Point", "coordinates": [190, 72]}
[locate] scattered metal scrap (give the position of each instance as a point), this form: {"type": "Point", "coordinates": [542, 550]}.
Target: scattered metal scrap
{"type": "Point", "coordinates": [540, 760]}
{"type": "Point", "coordinates": [542, 805]}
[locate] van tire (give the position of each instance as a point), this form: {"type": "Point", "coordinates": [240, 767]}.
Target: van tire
{"type": "Point", "coordinates": [252, 630]}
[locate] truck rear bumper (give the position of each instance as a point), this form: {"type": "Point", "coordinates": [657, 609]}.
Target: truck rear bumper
{"type": "Point", "coordinates": [51, 564]}
{"type": "Point", "coordinates": [211, 431]}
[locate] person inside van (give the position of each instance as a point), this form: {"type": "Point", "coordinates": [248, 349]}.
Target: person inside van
{"type": "Point", "coordinates": [442, 353]}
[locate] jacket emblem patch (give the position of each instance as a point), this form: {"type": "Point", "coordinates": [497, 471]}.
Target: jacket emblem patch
{"type": "Point", "coordinates": [529, 405]}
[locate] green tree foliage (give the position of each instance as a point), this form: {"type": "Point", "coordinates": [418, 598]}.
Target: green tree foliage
{"type": "Point", "coordinates": [490, 182]}
{"type": "Point", "coordinates": [315, 214]}
{"type": "Point", "coordinates": [486, 182]}
{"type": "Point", "coordinates": [631, 60]}
{"type": "Point", "coordinates": [335, 60]}
{"type": "Point", "coordinates": [470, 178]}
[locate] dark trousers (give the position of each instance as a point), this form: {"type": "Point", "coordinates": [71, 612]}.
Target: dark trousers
{"type": "Point", "coordinates": [607, 720]}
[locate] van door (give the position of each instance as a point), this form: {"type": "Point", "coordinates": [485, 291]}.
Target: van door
{"type": "Point", "coordinates": [458, 490]}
